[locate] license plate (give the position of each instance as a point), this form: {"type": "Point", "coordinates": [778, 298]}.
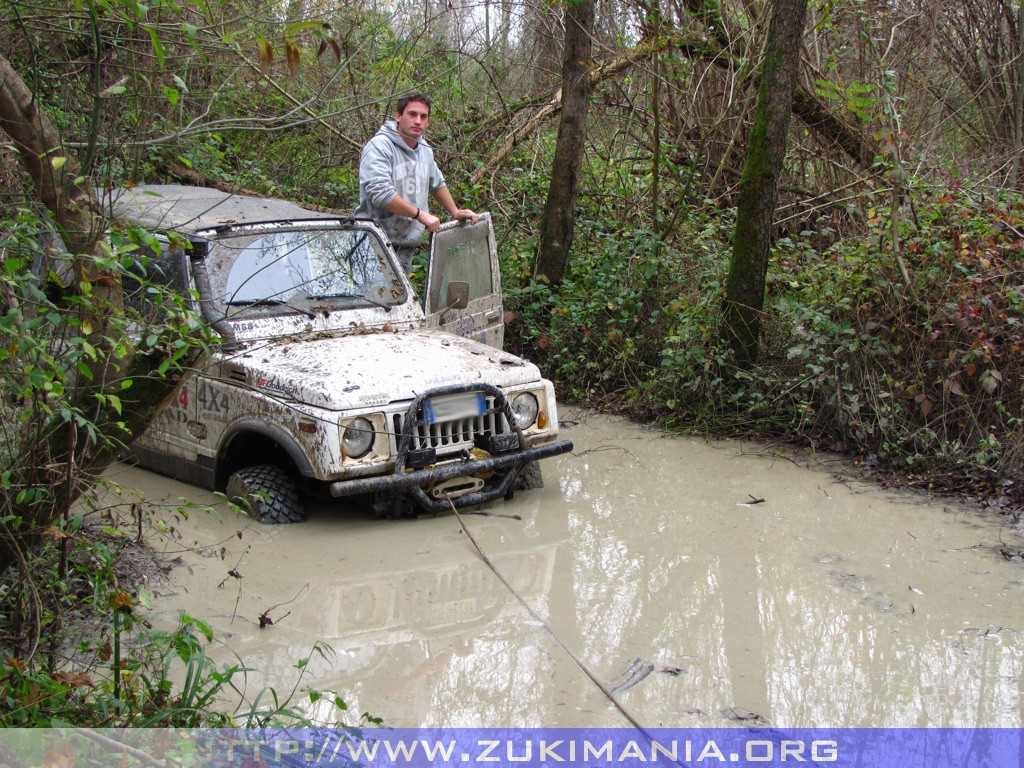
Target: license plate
{"type": "Point", "coordinates": [453, 407]}
{"type": "Point", "coordinates": [454, 610]}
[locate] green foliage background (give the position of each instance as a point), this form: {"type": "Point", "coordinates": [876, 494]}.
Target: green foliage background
{"type": "Point", "coordinates": [893, 312]}
{"type": "Point", "coordinates": [892, 328]}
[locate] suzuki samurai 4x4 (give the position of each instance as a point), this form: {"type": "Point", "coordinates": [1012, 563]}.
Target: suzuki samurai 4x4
{"type": "Point", "coordinates": [329, 375]}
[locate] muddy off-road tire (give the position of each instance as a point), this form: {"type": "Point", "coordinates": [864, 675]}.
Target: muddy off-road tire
{"type": "Point", "coordinates": [529, 478]}
{"type": "Point", "coordinates": [267, 493]}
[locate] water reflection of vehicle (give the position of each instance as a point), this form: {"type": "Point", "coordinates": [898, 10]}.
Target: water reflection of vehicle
{"type": "Point", "coordinates": [409, 628]}
{"type": "Point", "coordinates": [449, 595]}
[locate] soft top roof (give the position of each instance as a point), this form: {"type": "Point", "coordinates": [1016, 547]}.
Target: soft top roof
{"type": "Point", "coordinates": [190, 209]}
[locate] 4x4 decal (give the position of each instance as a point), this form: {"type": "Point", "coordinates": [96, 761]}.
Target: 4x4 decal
{"type": "Point", "coordinates": [211, 400]}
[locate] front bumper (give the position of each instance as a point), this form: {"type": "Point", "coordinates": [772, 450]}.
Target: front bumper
{"type": "Point", "coordinates": [415, 481]}
{"type": "Point", "coordinates": [506, 464]}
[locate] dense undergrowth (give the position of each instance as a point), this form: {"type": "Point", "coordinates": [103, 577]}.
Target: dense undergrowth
{"type": "Point", "coordinates": [89, 656]}
{"type": "Point", "coordinates": [76, 648]}
{"type": "Point", "coordinates": [919, 374]}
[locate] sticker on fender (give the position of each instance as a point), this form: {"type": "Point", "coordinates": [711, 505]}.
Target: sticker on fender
{"type": "Point", "coordinates": [452, 407]}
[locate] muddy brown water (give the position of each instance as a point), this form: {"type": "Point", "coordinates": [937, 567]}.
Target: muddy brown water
{"type": "Point", "coordinates": [829, 603]}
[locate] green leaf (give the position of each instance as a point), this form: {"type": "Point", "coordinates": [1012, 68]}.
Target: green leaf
{"type": "Point", "coordinates": [201, 625]}
{"type": "Point", "coordinates": [828, 90]}
{"type": "Point", "coordinates": [291, 29]}
{"type": "Point", "coordinates": [158, 46]}
{"type": "Point", "coordinates": [856, 88]}
{"type": "Point", "coordinates": [171, 94]}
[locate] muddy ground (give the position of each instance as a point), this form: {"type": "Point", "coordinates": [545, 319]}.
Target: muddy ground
{"type": "Point", "coordinates": [697, 583]}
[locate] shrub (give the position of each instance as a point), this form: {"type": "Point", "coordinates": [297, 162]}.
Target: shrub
{"type": "Point", "coordinates": [925, 376]}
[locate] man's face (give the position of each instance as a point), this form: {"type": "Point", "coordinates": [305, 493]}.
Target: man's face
{"type": "Point", "coordinates": [413, 121]}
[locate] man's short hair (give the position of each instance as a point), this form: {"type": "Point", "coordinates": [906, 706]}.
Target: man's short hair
{"type": "Point", "coordinates": [405, 101]}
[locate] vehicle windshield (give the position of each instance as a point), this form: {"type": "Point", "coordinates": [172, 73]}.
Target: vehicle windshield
{"type": "Point", "coordinates": [302, 269]}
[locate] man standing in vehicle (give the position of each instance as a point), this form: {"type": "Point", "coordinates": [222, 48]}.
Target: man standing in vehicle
{"type": "Point", "coordinates": [397, 174]}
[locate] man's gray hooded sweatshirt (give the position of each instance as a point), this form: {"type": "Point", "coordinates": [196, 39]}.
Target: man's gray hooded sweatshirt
{"type": "Point", "coordinates": [389, 167]}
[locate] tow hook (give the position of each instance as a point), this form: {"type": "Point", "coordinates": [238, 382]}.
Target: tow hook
{"type": "Point", "coordinates": [454, 487]}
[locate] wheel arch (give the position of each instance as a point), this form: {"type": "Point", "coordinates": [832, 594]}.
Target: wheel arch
{"type": "Point", "coordinates": [249, 442]}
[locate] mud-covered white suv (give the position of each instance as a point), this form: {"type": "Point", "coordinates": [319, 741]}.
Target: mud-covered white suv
{"type": "Point", "coordinates": [330, 376]}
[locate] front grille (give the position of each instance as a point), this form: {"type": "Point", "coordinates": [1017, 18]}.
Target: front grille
{"type": "Point", "coordinates": [458, 434]}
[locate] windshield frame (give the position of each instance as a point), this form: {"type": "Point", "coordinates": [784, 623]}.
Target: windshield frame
{"type": "Point", "coordinates": [228, 245]}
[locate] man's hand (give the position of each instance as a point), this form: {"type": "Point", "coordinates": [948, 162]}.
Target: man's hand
{"type": "Point", "coordinates": [429, 220]}
{"type": "Point", "coordinates": [444, 197]}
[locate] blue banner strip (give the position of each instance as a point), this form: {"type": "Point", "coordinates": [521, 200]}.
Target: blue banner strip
{"type": "Point", "coordinates": [518, 747]}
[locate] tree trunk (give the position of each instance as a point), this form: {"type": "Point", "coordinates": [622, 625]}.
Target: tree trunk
{"type": "Point", "coordinates": [1017, 104]}
{"type": "Point", "coordinates": [59, 457]}
{"type": "Point", "coordinates": [39, 146]}
{"type": "Point", "coordinates": [759, 185]}
{"type": "Point", "coordinates": [559, 217]}
{"type": "Point", "coordinates": [541, 25]}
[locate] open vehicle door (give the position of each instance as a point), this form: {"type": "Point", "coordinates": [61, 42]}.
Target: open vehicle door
{"type": "Point", "coordinates": [463, 294]}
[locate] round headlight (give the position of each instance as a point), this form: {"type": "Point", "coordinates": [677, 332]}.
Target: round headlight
{"type": "Point", "coordinates": [357, 438]}
{"type": "Point", "coordinates": [524, 408]}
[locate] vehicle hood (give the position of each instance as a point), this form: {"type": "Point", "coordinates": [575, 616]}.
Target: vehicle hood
{"type": "Point", "coordinates": [375, 368]}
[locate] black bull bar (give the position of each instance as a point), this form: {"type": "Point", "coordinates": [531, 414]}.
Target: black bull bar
{"type": "Point", "coordinates": [413, 481]}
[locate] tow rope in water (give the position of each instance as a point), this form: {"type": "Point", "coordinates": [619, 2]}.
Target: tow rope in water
{"type": "Point", "coordinates": [583, 667]}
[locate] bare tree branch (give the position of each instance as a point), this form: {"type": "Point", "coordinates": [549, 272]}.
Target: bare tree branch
{"type": "Point", "coordinates": [829, 129]}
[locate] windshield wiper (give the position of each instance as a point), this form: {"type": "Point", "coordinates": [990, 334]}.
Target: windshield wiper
{"type": "Point", "coordinates": [381, 304]}
{"type": "Point", "coordinates": [269, 303]}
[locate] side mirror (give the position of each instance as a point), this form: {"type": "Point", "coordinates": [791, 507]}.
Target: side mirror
{"type": "Point", "coordinates": [458, 295]}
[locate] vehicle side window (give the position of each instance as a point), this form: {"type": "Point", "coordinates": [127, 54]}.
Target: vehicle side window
{"type": "Point", "coordinates": [142, 267]}
{"type": "Point", "coordinates": [468, 261]}
{"type": "Point", "coordinates": [51, 262]}
{"type": "Point", "coordinates": [148, 275]}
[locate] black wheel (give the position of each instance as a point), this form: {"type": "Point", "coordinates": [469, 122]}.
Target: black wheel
{"type": "Point", "coordinates": [267, 493]}
{"type": "Point", "coordinates": [529, 477]}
